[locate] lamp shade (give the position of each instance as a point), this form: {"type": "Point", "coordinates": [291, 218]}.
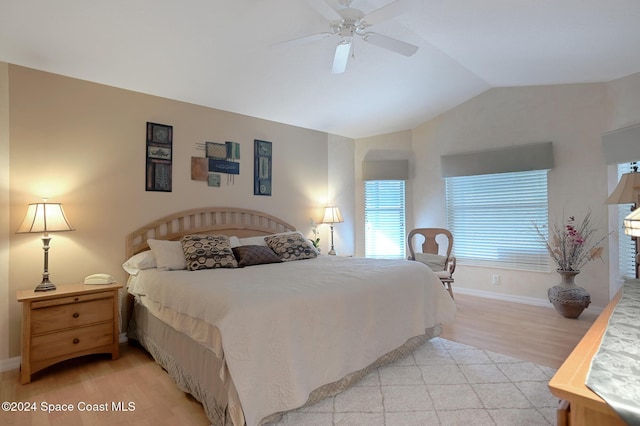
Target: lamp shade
{"type": "Point", "coordinates": [332, 215]}
{"type": "Point", "coordinates": [45, 217]}
{"type": "Point", "coordinates": [627, 190]}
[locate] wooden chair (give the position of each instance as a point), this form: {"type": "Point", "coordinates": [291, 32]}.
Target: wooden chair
{"type": "Point", "coordinates": [440, 260]}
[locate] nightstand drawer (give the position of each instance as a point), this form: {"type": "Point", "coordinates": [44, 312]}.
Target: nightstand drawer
{"type": "Point", "coordinates": [66, 342]}
{"type": "Point", "coordinates": [37, 304]}
{"type": "Point", "coordinates": [71, 315]}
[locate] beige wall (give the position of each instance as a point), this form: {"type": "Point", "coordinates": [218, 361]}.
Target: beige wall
{"type": "Point", "coordinates": [342, 193]}
{"type": "Point", "coordinates": [83, 144]}
{"type": "Point", "coordinates": [391, 146]}
{"type": "Point", "coordinates": [4, 210]}
{"type": "Point", "coordinates": [573, 117]}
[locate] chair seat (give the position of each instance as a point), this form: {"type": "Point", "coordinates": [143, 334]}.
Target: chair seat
{"type": "Point", "coordinates": [442, 274]}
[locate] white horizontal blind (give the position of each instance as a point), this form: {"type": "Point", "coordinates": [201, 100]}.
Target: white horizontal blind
{"type": "Point", "coordinates": [384, 219]}
{"type": "Point", "coordinates": [492, 219]}
{"type": "Point", "coordinates": [626, 245]}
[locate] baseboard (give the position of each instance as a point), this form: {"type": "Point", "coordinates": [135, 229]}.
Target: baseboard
{"type": "Point", "coordinates": [10, 364]}
{"type": "Point", "coordinates": [513, 298]}
{"type": "Point", "coordinates": [14, 363]}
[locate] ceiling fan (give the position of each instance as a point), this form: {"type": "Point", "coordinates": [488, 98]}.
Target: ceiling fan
{"type": "Point", "coordinates": [349, 23]}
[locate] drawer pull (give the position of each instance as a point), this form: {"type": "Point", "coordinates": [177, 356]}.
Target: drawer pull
{"type": "Point", "coordinates": [75, 299]}
{"type": "Point", "coordinates": [76, 341]}
{"type": "Point", "coordinates": [76, 315]}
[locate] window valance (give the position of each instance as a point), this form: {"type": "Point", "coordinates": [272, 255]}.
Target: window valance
{"type": "Point", "coordinates": [621, 145]}
{"type": "Point", "coordinates": [536, 156]}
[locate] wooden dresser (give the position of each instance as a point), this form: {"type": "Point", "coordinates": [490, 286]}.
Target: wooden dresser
{"type": "Point", "coordinates": [579, 406]}
{"type": "Point", "coordinates": [71, 321]}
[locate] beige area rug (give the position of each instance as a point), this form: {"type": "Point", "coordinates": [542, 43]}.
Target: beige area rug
{"type": "Point", "coordinates": [441, 383]}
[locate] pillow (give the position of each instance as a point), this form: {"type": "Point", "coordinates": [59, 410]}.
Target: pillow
{"type": "Point", "coordinates": [234, 242]}
{"type": "Point", "coordinates": [255, 255]}
{"type": "Point", "coordinates": [208, 252]}
{"type": "Point", "coordinates": [253, 241]}
{"type": "Point", "coordinates": [291, 246]}
{"type": "Point", "coordinates": [260, 240]}
{"type": "Point", "coordinates": [168, 254]}
{"type": "Point", "coordinates": [138, 262]}
{"type": "Point", "coordinates": [433, 261]}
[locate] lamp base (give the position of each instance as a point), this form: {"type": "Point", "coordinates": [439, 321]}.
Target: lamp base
{"type": "Point", "coordinates": [332, 252]}
{"type": "Point", "coordinates": [45, 285]}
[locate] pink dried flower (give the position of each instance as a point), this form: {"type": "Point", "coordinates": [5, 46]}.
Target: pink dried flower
{"type": "Point", "coordinates": [570, 245]}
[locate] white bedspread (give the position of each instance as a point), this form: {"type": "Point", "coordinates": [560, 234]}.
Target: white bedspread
{"type": "Point", "coordinates": [291, 327]}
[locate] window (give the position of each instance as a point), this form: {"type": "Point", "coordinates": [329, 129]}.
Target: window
{"type": "Point", "coordinates": [492, 219]}
{"type": "Point", "coordinates": [384, 219]}
{"type": "Point", "coordinates": [626, 246]}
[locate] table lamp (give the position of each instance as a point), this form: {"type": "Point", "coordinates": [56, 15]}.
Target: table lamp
{"type": "Point", "coordinates": [332, 215]}
{"type": "Point", "coordinates": [45, 217]}
{"type": "Point", "coordinates": [628, 192]}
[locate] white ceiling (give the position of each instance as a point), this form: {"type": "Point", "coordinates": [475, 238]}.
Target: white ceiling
{"type": "Point", "coordinates": [221, 54]}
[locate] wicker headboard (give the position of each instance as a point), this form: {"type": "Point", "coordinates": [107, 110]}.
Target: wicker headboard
{"type": "Point", "coordinates": [211, 220]}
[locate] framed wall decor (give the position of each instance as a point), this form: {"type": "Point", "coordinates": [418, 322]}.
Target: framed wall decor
{"type": "Point", "coordinates": [159, 157]}
{"type": "Point", "coordinates": [262, 168]}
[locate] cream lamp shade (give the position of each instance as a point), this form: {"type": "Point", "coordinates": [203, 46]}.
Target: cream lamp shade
{"type": "Point", "coordinates": [332, 215]}
{"type": "Point", "coordinates": [627, 190]}
{"type": "Point", "coordinates": [45, 217]}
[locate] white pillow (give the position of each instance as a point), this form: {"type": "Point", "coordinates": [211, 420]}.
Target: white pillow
{"type": "Point", "coordinates": [234, 241]}
{"type": "Point", "coordinates": [253, 241]}
{"type": "Point", "coordinates": [138, 262]}
{"type": "Point", "coordinates": [433, 261]}
{"type": "Point", "coordinates": [168, 254]}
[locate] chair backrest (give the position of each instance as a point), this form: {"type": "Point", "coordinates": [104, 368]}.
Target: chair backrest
{"type": "Point", "coordinates": [430, 244]}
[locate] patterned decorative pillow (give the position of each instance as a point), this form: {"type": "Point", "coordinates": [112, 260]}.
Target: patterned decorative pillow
{"type": "Point", "coordinates": [208, 252]}
{"type": "Point", "coordinates": [255, 255]}
{"type": "Point", "coordinates": [292, 246]}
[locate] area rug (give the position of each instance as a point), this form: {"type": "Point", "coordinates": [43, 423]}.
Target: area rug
{"type": "Point", "coordinates": [441, 383]}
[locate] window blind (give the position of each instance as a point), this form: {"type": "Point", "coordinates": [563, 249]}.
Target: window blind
{"type": "Point", "coordinates": [384, 216]}
{"type": "Point", "coordinates": [626, 245]}
{"type": "Point", "coordinates": [492, 219]}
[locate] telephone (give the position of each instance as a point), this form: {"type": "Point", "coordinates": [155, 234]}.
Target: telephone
{"type": "Point", "coordinates": [99, 279]}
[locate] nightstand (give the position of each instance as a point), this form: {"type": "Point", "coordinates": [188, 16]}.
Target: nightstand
{"type": "Point", "coordinates": [71, 321]}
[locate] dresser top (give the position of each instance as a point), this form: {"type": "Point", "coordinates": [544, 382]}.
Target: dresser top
{"type": "Point", "coordinates": [65, 290]}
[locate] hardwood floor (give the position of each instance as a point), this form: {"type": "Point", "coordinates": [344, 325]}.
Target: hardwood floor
{"type": "Point", "coordinates": [532, 333]}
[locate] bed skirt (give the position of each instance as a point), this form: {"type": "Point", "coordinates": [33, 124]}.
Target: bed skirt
{"type": "Point", "coordinates": [198, 371]}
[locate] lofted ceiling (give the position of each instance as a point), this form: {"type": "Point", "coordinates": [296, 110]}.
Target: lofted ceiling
{"type": "Point", "coordinates": [225, 54]}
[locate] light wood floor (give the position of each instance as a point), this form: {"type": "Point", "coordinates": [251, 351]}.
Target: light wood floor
{"type": "Point", "coordinates": [532, 333]}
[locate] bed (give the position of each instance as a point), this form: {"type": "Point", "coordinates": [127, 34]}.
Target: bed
{"type": "Point", "coordinates": [253, 339]}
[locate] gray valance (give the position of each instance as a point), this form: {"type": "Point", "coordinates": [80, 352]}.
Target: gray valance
{"type": "Point", "coordinates": [385, 170]}
{"type": "Point", "coordinates": [536, 156]}
{"type": "Point", "coordinates": [622, 145]}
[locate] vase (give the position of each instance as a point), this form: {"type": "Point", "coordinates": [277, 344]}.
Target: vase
{"type": "Point", "coordinates": [568, 298]}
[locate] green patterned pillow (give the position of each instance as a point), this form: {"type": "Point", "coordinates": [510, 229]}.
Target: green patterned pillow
{"type": "Point", "coordinates": [208, 252]}
{"type": "Point", "coordinates": [291, 246]}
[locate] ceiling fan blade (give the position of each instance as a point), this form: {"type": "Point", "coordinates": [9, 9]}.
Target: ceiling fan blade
{"type": "Point", "coordinates": [324, 9]}
{"type": "Point", "coordinates": [342, 56]}
{"type": "Point", "coordinates": [304, 40]}
{"type": "Point", "coordinates": [389, 43]}
{"type": "Point", "coordinates": [391, 10]}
